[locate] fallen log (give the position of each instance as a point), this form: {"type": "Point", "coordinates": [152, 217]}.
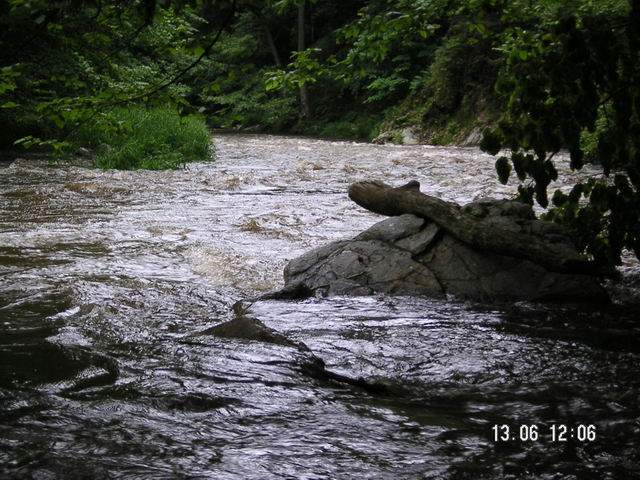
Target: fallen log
{"type": "Point", "coordinates": [560, 256]}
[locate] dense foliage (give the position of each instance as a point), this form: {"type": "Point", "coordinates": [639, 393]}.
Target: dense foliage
{"type": "Point", "coordinates": [67, 65]}
{"type": "Point", "coordinates": [574, 83]}
{"type": "Point", "coordinates": [540, 77]}
{"type": "Point", "coordinates": [424, 64]}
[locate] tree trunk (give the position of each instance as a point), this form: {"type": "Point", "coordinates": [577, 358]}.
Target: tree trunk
{"type": "Point", "coordinates": [272, 45]}
{"type": "Point", "coordinates": [386, 200]}
{"type": "Point", "coordinates": [305, 108]}
{"type": "Point", "coordinates": [263, 21]}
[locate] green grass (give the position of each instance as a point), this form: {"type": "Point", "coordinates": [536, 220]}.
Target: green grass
{"type": "Point", "coordinates": [155, 138]}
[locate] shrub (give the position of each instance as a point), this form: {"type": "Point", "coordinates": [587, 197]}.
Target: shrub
{"type": "Point", "coordinates": [155, 138]}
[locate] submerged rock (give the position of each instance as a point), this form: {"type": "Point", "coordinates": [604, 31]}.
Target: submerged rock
{"type": "Point", "coordinates": [245, 327]}
{"type": "Point", "coordinates": [249, 328]}
{"type": "Point", "coordinates": [411, 255]}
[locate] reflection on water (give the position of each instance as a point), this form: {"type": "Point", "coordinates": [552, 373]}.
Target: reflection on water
{"type": "Point", "coordinates": [105, 274]}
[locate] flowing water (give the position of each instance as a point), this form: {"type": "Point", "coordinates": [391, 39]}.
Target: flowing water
{"type": "Point", "coordinates": [104, 276]}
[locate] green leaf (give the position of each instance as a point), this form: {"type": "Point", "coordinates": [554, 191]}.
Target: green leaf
{"type": "Point", "coordinates": [503, 167]}
{"type": "Point", "coordinates": [490, 142]}
{"type": "Point", "coordinates": [559, 198]}
{"type": "Point", "coordinates": [7, 87]}
{"type": "Point", "coordinates": [272, 83]}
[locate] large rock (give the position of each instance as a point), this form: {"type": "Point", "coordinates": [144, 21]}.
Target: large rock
{"type": "Point", "coordinates": [409, 255]}
{"type": "Point", "coordinates": [467, 273]}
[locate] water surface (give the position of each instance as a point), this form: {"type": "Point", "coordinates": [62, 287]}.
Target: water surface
{"type": "Point", "coordinates": [105, 274]}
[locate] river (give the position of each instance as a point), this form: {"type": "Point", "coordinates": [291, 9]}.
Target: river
{"type": "Point", "coordinates": [104, 276]}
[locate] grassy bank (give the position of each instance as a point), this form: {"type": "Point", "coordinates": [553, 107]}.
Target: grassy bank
{"type": "Point", "coordinates": [138, 137]}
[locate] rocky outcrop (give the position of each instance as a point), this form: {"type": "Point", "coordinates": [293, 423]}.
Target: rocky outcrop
{"type": "Point", "coordinates": [402, 136]}
{"type": "Point", "coordinates": [440, 248]}
{"type": "Point", "coordinates": [371, 262]}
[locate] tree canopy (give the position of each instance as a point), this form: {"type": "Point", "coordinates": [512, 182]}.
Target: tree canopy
{"type": "Point", "coordinates": [65, 63]}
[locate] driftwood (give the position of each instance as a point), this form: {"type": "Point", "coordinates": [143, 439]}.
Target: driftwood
{"type": "Point", "coordinates": [558, 257]}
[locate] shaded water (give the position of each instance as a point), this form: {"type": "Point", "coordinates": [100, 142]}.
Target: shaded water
{"type": "Point", "coordinates": [105, 274]}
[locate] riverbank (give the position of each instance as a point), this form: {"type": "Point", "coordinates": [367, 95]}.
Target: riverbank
{"type": "Point", "coordinates": [399, 129]}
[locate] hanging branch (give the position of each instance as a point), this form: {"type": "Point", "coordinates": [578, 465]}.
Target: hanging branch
{"type": "Point", "coordinates": [157, 88]}
{"type": "Point", "coordinates": [188, 68]}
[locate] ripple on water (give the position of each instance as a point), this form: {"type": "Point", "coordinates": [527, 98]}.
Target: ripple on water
{"type": "Point", "coordinates": [104, 276]}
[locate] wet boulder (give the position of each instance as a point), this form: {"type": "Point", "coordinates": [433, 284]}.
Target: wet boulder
{"type": "Point", "coordinates": [462, 251]}
{"type": "Point", "coordinates": [248, 328]}
{"type": "Point", "coordinates": [370, 263]}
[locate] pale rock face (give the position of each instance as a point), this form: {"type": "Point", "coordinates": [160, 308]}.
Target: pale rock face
{"type": "Point", "coordinates": [407, 255]}
{"type": "Point", "coordinates": [473, 139]}
{"type": "Point", "coordinates": [409, 137]}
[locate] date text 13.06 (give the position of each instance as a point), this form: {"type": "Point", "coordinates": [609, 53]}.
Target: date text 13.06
{"type": "Point", "coordinates": [534, 433]}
